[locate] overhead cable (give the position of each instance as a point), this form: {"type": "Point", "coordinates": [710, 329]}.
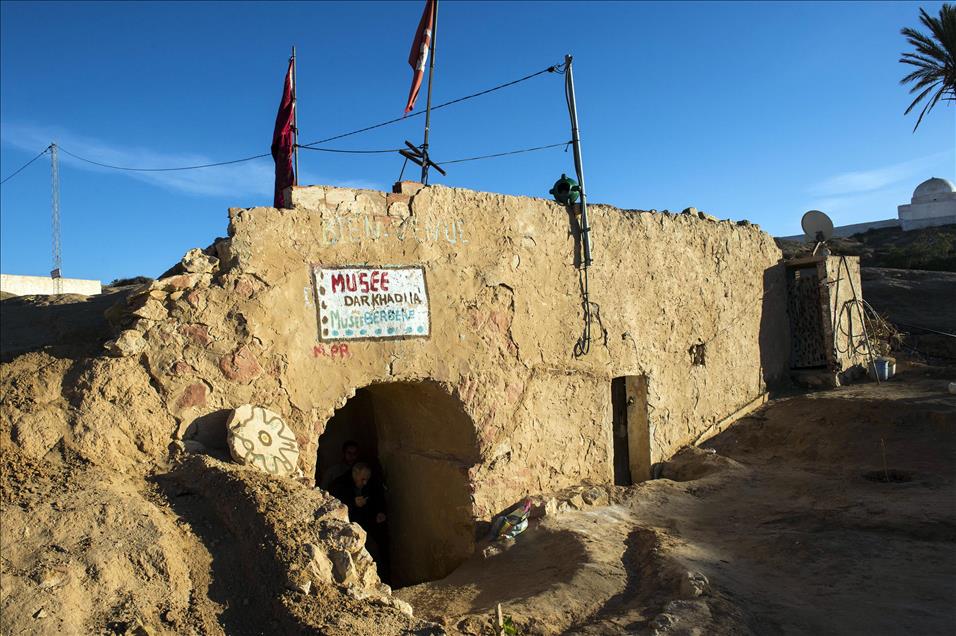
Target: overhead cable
{"type": "Point", "coordinates": [20, 169]}
{"type": "Point", "coordinates": [351, 152]}
{"type": "Point", "coordinates": [550, 69]}
{"type": "Point", "coordinates": [502, 154]}
{"type": "Point", "coordinates": [310, 146]}
{"type": "Point", "coordinates": [204, 165]}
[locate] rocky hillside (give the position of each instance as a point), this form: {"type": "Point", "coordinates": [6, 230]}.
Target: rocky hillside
{"type": "Point", "coordinates": [932, 248]}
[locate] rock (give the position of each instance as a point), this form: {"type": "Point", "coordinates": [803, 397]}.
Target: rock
{"type": "Point", "coordinates": [707, 217]}
{"type": "Point", "coordinates": [400, 605]}
{"type": "Point", "coordinates": [342, 566]}
{"type": "Point", "coordinates": [595, 496]}
{"type": "Point", "coordinates": [128, 343]}
{"type": "Point", "coordinates": [410, 188]}
{"type": "Point", "coordinates": [399, 210]}
{"type": "Point", "coordinates": [40, 613]}
{"type": "Point", "coordinates": [197, 262]}
{"type": "Point", "coordinates": [240, 366]}
{"type": "Point", "coordinates": [319, 563]}
{"type": "Point", "coordinates": [50, 578]}
{"type": "Point", "coordinates": [337, 196]}
{"type": "Point", "coordinates": [350, 537]}
{"type": "Point", "coordinates": [576, 502]}
{"type": "Point", "coordinates": [542, 508]}
{"type": "Point", "coordinates": [152, 309]}
{"type": "Point", "coordinates": [491, 551]}
{"type": "Point", "coordinates": [195, 332]}
{"type": "Point", "coordinates": [662, 622]}
{"type": "Point", "coordinates": [177, 283]}
{"type": "Point", "coordinates": [743, 222]}
{"type": "Point", "coordinates": [691, 211]}
{"type": "Point", "coordinates": [258, 437]}
{"type": "Point", "coordinates": [694, 584]}
{"type": "Point", "coordinates": [193, 395]}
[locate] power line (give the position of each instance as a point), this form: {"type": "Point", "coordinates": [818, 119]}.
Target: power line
{"type": "Point", "coordinates": [45, 150]}
{"type": "Point", "coordinates": [205, 165]}
{"type": "Point", "coordinates": [310, 146]}
{"type": "Point", "coordinates": [503, 154]}
{"type": "Point", "coordinates": [352, 152]}
{"type": "Point", "coordinates": [550, 69]}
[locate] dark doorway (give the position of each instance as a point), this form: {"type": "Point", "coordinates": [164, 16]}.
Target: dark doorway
{"type": "Point", "coordinates": [425, 444]}
{"type": "Point", "coordinates": [630, 430]}
{"type": "Point", "coordinates": [353, 422]}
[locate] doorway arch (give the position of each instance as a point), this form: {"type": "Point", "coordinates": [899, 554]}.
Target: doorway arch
{"type": "Point", "coordinates": [425, 443]}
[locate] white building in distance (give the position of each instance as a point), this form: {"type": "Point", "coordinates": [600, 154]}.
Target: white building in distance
{"type": "Point", "coordinates": [933, 203]}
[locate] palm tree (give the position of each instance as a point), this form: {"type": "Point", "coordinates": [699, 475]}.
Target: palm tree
{"type": "Point", "coordinates": [934, 59]}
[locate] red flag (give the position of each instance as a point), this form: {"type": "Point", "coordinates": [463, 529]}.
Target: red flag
{"type": "Point", "coordinates": [419, 53]}
{"type": "Point", "coordinates": [283, 141]}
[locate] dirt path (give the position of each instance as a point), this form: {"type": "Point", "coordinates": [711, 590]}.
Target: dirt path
{"type": "Point", "coordinates": [779, 525]}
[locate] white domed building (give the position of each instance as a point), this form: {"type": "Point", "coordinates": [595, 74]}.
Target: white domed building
{"type": "Point", "coordinates": [933, 203]}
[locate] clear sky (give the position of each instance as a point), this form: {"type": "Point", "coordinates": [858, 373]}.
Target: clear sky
{"type": "Point", "coordinates": [745, 110]}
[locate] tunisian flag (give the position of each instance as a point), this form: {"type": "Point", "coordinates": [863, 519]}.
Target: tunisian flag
{"type": "Point", "coordinates": [419, 53]}
{"type": "Point", "coordinates": [283, 141]}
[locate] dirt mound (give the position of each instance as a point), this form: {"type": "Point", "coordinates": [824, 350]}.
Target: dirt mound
{"type": "Point", "coordinates": [65, 325]}
{"type": "Point", "coordinates": [210, 548]}
{"type": "Point", "coordinates": [86, 551]}
{"type": "Point", "coordinates": [288, 551]}
{"type": "Point", "coordinates": [103, 410]}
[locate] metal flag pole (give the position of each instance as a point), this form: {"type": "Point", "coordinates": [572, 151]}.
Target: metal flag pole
{"type": "Point", "coordinates": [295, 120]}
{"type": "Point", "coordinates": [578, 164]}
{"type": "Point", "coordinates": [428, 105]}
{"type": "Point", "coordinates": [56, 273]}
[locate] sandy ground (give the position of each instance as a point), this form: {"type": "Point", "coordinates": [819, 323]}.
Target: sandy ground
{"type": "Point", "coordinates": [779, 525]}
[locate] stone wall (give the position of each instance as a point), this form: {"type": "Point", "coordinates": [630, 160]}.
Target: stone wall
{"type": "Point", "coordinates": [238, 324]}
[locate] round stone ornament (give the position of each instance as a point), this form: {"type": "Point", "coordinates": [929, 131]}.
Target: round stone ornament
{"type": "Point", "coordinates": [258, 437]}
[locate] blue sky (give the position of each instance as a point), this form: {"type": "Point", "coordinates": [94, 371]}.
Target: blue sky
{"type": "Point", "coordinates": [745, 110]}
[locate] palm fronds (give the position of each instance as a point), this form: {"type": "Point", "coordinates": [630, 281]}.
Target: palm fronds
{"type": "Point", "coordinates": [934, 58]}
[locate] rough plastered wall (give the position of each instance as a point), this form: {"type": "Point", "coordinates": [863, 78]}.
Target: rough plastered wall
{"type": "Point", "coordinates": [505, 306]}
{"type": "Point", "coordinates": [843, 321]}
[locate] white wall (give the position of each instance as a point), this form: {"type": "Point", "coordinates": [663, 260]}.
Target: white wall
{"type": "Point", "coordinates": [43, 285]}
{"type": "Point", "coordinates": [928, 214]}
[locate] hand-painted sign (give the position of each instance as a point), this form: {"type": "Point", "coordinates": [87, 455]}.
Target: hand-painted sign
{"type": "Point", "coordinates": [371, 303]}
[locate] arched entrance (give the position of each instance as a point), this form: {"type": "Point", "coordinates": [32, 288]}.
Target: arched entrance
{"type": "Point", "coordinates": [425, 443]}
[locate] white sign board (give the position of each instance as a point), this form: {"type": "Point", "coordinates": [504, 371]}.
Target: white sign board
{"type": "Point", "coordinates": [371, 303]}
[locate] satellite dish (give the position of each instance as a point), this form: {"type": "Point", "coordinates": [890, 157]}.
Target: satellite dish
{"type": "Point", "coordinates": [817, 226]}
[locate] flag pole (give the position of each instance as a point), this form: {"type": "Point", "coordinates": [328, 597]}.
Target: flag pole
{"type": "Point", "coordinates": [428, 105]}
{"type": "Point", "coordinates": [295, 120]}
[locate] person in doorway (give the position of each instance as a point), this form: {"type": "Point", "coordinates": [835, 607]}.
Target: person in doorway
{"type": "Point", "coordinates": [365, 501]}
{"type": "Point", "coordinates": [350, 455]}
